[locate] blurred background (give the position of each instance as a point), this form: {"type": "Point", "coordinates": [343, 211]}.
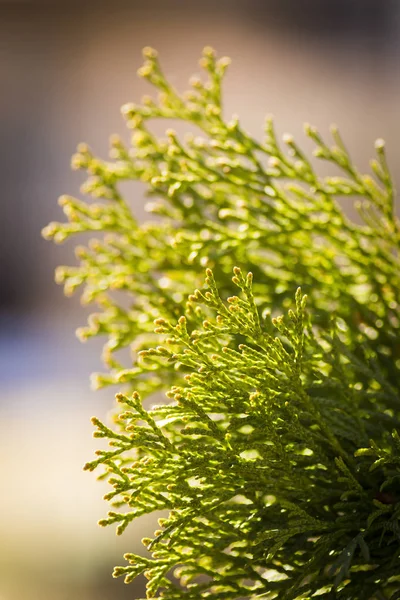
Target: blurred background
{"type": "Point", "coordinates": [66, 67]}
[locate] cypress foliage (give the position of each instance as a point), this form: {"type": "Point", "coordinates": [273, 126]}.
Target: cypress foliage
{"type": "Point", "coordinates": [276, 453]}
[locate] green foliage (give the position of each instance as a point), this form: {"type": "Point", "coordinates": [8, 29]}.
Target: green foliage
{"type": "Point", "coordinates": [277, 454]}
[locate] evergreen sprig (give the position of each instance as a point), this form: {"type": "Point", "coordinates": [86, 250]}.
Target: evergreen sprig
{"type": "Point", "coordinates": [277, 454]}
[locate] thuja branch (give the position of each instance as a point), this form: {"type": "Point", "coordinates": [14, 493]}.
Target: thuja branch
{"type": "Point", "coordinates": [276, 450]}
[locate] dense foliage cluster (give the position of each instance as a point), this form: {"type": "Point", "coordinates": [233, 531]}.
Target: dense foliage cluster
{"type": "Point", "coordinates": [276, 452]}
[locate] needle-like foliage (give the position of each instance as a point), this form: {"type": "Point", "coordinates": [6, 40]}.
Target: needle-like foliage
{"type": "Point", "coordinates": [276, 453]}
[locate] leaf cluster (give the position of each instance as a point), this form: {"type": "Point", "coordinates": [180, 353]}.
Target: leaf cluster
{"type": "Point", "coordinates": [277, 453]}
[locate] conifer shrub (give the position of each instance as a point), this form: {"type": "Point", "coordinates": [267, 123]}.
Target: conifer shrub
{"type": "Point", "coordinates": [274, 448]}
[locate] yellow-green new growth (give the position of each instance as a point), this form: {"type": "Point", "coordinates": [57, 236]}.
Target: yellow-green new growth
{"type": "Point", "coordinates": [276, 451]}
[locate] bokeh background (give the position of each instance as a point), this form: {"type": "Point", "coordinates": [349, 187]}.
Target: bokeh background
{"type": "Point", "coordinates": [65, 69]}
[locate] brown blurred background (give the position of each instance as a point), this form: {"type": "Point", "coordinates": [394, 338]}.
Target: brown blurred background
{"type": "Point", "coordinates": [66, 67]}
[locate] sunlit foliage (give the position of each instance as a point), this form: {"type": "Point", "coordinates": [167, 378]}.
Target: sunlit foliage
{"type": "Point", "coordinates": [274, 447]}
